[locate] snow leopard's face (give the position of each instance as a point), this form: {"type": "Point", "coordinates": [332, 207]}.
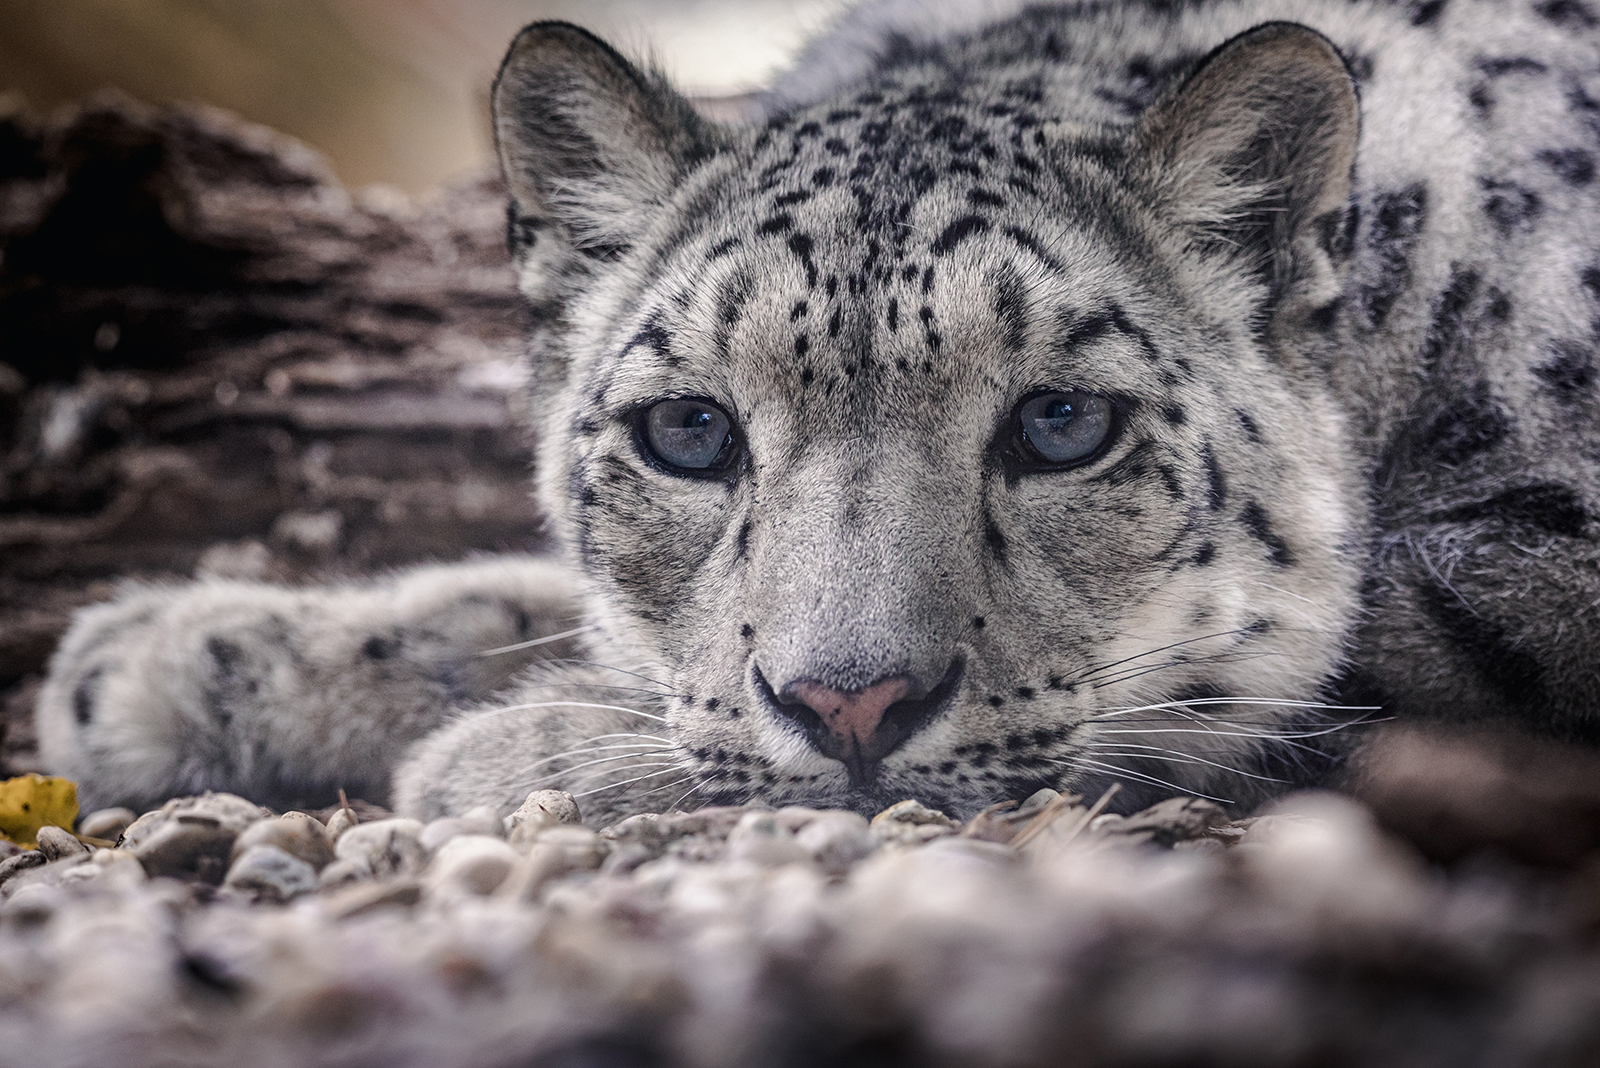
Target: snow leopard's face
{"type": "Point", "coordinates": [916, 443]}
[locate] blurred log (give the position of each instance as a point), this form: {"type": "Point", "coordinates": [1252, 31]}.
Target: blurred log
{"type": "Point", "coordinates": [214, 358]}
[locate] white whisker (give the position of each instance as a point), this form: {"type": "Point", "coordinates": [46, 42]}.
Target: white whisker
{"type": "Point", "coordinates": [640, 749]}
{"type": "Point", "coordinates": [1173, 756]}
{"type": "Point", "coordinates": [546, 640]}
{"type": "Point", "coordinates": [1140, 776]}
{"type": "Point", "coordinates": [564, 772]}
{"type": "Point", "coordinates": [570, 704]}
{"type": "Point", "coordinates": [626, 782]}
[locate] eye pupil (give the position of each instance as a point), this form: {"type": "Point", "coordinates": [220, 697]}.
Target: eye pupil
{"type": "Point", "coordinates": [1063, 428]}
{"type": "Point", "coordinates": [688, 435]}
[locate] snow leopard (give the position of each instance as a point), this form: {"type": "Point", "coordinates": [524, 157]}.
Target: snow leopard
{"type": "Point", "coordinates": [1033, 395]}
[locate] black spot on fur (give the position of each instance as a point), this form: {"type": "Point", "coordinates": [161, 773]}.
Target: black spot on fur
{"type": "Point", "coordinates": [1426, 14]}
{"type": "Point", "coordinates": [894, 315]}
{"type": "Point", "coordinates": [1499, 306]}
{"type": "Point", "coordinates": [1251, 429]}
{"type": "Point", "coordinates": [1568, 13]}
{"type": "Point", "coordinates": [978, 622]}
{"type": "Point", "coordinates": [653, 336]}
{"type": "Point", "coordinates": [1011, 309]}
{"type": "Point", "coordinates": [802, 345]}
{"type": "Point", "coordinates": [1174, 414]}
{"type": "Point", "coordinates": [1509, 205]}
{"type": "Point", "coordinates": [1548, 506]}
{"type": "Point", "coordinates": [1499, 66]}
{"type": "Point", "coordinates": [994, 538]}
{"type": "Point", "coordinates": [1572, 372]}
{"type": "Point", "coordinates": [801, 245]}
{"type": "Point", "coordinates": [959, 231]}
{"type": "Point", "coordinates": [1259, 524]}
{"type": "Point", "coordinates": [1032, 244]}
{"type": "Point", "coordinates": [1205, 554]}
{"type": "Point", "coordinates": [379, 648]}
{"type": "Point", "coordinates": [226, 656]}
{"type": "Point", "coordinates": [1574, 165]}
{"type": "Point", "coordinates": [1516, 675]}
{"type": "Point", "coordinates": [985, 198]}
{"type": "Point", "coordinates": [722, 248]}
{"type": "Point", "coordinates": [1397, 220]}
{"type": "Point", "coordinates": [1324, 318]}
{"type": "Point", "coordinates": [1449, 322]}
{"type": "Point", "coordinates": [778, 224]}
{"type": "Point", "coordinates": [84, 694]}
{"type": "Point", "coordinates": [1464, 429]}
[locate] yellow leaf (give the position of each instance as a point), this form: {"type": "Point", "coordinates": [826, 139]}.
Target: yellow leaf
{"type": "Point", "coordinates": [33, 801]}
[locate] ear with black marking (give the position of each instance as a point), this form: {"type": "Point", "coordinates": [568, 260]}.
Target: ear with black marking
{"type": "Point", "coordinates": [1254, 153]}
{"type": "Point", "coordinates": [589, 146]}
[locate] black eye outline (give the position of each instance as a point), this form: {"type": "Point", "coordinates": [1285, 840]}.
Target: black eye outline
{"type": "Point", "coordinates": [720, 467]}
{"type": "Point", "coordinates": [1023, 457]}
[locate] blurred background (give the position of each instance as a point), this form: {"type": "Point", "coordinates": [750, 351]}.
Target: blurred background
{"type": "Point", "coordinates": [223, 355]}
{"type": "Point", "coordinates": [391, 91]}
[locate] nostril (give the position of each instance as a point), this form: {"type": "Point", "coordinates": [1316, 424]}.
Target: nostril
{"type": "Point", "coordinates": [861, 727]}
{"type": "Point", "coordinates": [852, 716]}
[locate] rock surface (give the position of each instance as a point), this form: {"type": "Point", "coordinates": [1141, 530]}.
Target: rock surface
{"type": "Point", "coordinates": [214, 359]}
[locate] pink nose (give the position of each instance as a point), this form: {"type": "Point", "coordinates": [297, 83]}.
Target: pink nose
{"type": "Point", "coordinates": [852, 718]}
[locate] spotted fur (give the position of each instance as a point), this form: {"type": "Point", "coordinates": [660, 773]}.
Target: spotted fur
{"type": "Point", "coordinates": [1335, 262]}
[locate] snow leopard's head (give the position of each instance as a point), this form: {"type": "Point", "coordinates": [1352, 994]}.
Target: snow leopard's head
{"type": "Point", "coordinates": [922, 443]}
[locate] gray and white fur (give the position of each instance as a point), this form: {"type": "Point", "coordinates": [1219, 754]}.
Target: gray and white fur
{"type": "Point", "coordinates": [1334, 265]}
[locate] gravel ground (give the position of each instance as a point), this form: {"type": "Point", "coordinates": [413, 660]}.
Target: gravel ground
{"type": "Point", "coordinates": [217, 933]}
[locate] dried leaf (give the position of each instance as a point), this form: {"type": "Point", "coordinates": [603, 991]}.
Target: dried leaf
{"type": "Point", "coordinates": [33, 801]}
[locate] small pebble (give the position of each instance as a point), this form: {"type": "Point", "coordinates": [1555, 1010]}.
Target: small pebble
{"type": "Point", "coordinates": [836, 841]}
{"type": "Point", "coordinates": [13, 866]}
{"type": "Point", "coordinates": [543, 808]}
{"type": "Point", "coordinates": [482, 820]}
{"type": "Point", "coordinates": [31, 905]}
{"type": "Point", "coordinates": [556, 852]}
{"type": "Point", "coordinates": [227, 812]}
{"type": "Point", "coordinates": [343, 873]}
{"type": "Point", "coordinates": [107, 824]}
{"type": "Point", "coordinates": [339, 822]}
{"type": "Point", "coordinates": [296, 833]}
{"type": "Point", "coordinates": [912, 823]}
{"type": "Point", "coordinates": [386, 847]}
{"type": "Point", "coordinates": [189, 847]}
{"type": "Point", "coordinates": [1038, 799]}
{"type": "Point", "coordinates": [268, 873]}
{"type": "Point", "coordinates": [760, 838]}
{"type": "Point", "coordinates": [474, 863]}
{"type": "Point", "coordinates": [57, 844]}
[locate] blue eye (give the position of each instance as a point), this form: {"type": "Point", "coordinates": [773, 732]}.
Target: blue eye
{"type": "Point", "coordinates": [1061, 428]}
{"type": "Point", "coordinates": [692, 435]}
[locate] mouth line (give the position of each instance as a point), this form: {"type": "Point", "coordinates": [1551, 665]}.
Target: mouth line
{"type": "Point", "coordinates": [900, 722]}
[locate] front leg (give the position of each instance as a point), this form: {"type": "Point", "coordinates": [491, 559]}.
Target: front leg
{"type": "Point", "coordinates": [286, 695]}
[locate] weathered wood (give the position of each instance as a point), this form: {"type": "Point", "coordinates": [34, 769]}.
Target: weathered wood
{"type": "Point", "coordinates": [213, 357]}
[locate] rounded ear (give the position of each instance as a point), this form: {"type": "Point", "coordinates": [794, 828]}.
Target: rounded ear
{"type": "Point", "coordinates": [589, 146]}
{"type": "Point", "coordinates": [1255, 153]}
